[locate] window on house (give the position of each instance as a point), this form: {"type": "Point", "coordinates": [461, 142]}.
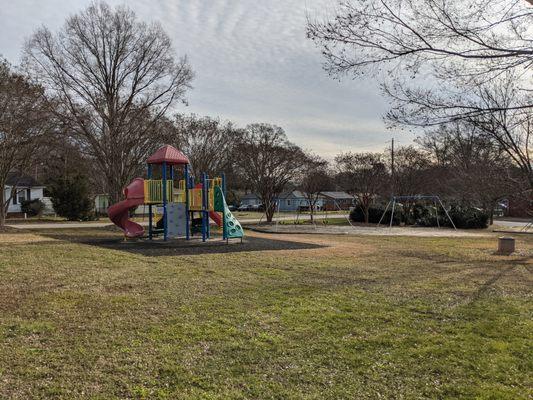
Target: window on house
{"type": "Point", "coordinates": [288, 202]}
{"type": "Point", "coordinates": [21, 196]}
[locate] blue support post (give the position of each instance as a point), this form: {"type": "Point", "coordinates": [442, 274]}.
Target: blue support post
{"type": "Point", "coordinates": [207, 225]}
{"type": "Point", "coordinates": [204, 191]}
{"type": "Point", "coordinates": [150, 215]}
{"type": "Point", "coordinates": [165, 232]}
{"type": "Point", "coordinates": [187, 216]}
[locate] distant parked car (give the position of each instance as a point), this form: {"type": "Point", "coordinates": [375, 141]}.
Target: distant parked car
{"type": "Point", "coordinates": [244, 207]}
{"type": "Point", "coordinates": [258, 207]}
{"type": "Point", "coordinates": [231, 207]}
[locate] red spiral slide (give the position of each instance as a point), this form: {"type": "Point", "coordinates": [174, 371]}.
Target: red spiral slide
{"type": "Point", "coordinates": [216, 217]}
{"type": "Point", "coordinates": [119, 213]}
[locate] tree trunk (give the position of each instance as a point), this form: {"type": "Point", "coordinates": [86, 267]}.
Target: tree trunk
{"type": "Point", "coordinates": [366, 214]}
{"type": "Point", "coordinates": [2, 216]}
{"type": "Point", "coordinates": [2, 206]}
{"type": "Point", "coordinates": [269, 212]}
{"type": "Point", "coordinates": [269, 204]}
{"type": "Point", "coordinates": [312, 211]}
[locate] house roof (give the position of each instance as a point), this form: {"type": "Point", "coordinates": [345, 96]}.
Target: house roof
{"type": "Point", "coordinates": [297, 194]}
{"type": "Point", "coordinates": [337, 195]}
{"type": "Point", "coordinates": [249, 196]}
{"type": "Point", "coordinates": [15, 178]}
{"type": "Point", "coordinates": [293, 194]}
{"type": "Point", "coordinates": [168, 154]}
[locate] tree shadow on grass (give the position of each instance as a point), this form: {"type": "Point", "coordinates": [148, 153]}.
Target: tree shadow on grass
{"type": "Point", "coordinates": [100, 237]}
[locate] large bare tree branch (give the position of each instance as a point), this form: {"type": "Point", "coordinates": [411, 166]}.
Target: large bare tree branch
{"type": "Point", "coordinates": [268, 162]}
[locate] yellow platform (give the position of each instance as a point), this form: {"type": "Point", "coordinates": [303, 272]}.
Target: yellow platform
{"type": "Point", "coordinates": [153, 193]}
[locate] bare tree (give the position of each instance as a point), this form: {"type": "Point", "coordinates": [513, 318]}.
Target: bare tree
{"type": "Point", "coordinates": [208, 142]}
{"type": "Point", "coordinates": [444, 61]}
{"type": "Point", "coordinates": [411, 166]}
{"type": "Point", "coordinates": [314, 180]}
{"type": "Point", "coordinates": [432, 53]}
{"type": "Point", "coordinates": [268, 162]}
{"type": "Point", "coordinates": [23, 122]}
{"type": "Point", "coordinates": [509, 129]}
{"type": "Point", "coordinates": [501, 139]}
{"type": "Point", "coordinates": [508, 126]}
{"type": "Point", "coordinates": [61, 158]}
{"type": "Point", "coordinates": [364, 175]}
{"type": "Point", "coordinates": [479, 172]}
{"type": "Point", "coordinates": [114, 78]}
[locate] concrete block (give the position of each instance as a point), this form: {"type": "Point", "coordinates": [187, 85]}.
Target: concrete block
{"type": "Point", "coordinates": [506, 245]}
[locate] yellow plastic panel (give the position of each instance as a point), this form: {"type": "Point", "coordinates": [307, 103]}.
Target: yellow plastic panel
{"type": "Point", "coordinates": [211, 200]}
{"type": "Point", "coordinates": [179, 196]}
{"type": "Point", "coordinates": [153, 191]}
{"type": "Point", "coordinates": [195, 199]}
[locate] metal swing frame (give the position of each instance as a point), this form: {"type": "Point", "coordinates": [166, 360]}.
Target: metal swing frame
{"type": "Point", "coordinates": [435, 199]}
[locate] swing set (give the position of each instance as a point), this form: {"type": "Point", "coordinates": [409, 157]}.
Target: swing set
{"type": "Point", "coordinates": [433, 198]}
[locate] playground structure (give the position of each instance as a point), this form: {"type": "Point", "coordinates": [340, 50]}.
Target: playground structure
{"type": "Point", "coordinates": [186, 207]}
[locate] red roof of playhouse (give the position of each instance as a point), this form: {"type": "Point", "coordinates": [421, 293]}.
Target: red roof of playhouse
{"type": "Point", "coordinates": [168, 154]}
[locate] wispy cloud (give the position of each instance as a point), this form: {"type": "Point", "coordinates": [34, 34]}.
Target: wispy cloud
{"type": "Point", "coordinates": [252, 63]}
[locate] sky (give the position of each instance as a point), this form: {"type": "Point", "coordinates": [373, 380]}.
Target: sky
{"type": "Point", "coordinates": [252, 61]}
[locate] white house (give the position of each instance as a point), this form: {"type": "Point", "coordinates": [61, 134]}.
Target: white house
{"type": "Point", "coordinates": [292, 200]}
{"type": "Point", "coordinates": [27, 189]}
{"type": "Point", "coordinates": [101, 203]}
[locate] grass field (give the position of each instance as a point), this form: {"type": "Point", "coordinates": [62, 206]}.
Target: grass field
{"type": "Point", "coordinates": [84, 315]}
{"type": "Point", "coordinates": [329, 221]}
